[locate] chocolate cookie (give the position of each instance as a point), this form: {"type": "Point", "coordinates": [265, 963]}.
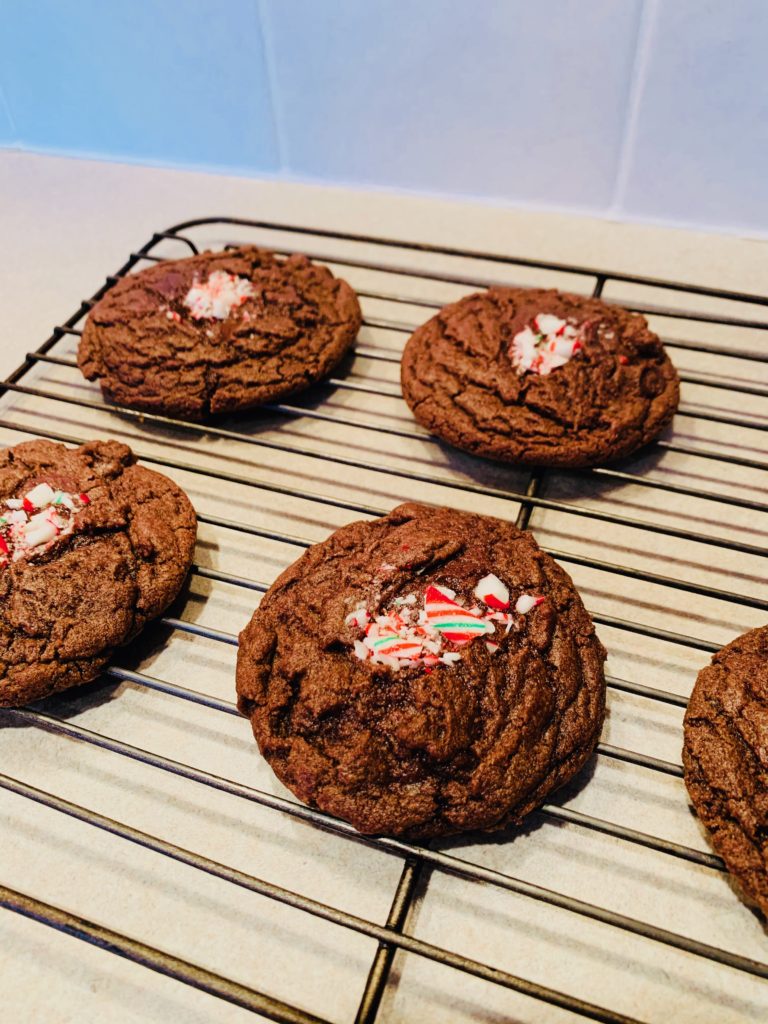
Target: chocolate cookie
{"type": "Point", "coordinates": [218, 332]}
{"type": "Point", "coordinates": [422, 674]}
{"type": "Point", "coordinates": [92, 546]}
{"type": "Point", "coordinates": [725, 757]}
{"type": "Point", "coordinates": [539, 378]}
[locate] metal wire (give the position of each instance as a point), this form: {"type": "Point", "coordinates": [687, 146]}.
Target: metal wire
{"type": "Point", "coordinates": [213, 431]}
{"type": "Point", "coordinates": [450, 863]}
{"type": "Point", "coordinates": [418, 861]}
{"type": "Point", "coordinates": [148, 956]}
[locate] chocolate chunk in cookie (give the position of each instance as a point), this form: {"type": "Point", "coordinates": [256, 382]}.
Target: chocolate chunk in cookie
{"type": "Point", "coordinates": [725, 757]}
{"type": "Point", "coordinates": [218, 332]}
{"type": "Point", "coordinates": [539, 378]}
{"type": "Point", "coordinates": [92, 547]}
{"type": "Point", "coordinates": [423, 674]}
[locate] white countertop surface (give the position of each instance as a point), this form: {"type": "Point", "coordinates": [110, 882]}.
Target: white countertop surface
{"type": "Point", "coordinates": [67, 223]}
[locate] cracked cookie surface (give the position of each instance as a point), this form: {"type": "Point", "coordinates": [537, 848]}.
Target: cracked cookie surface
{"type": "Point", "coordinates": [171, 340]}
{"type": "Point", "coordinates": [118, 560]}
{"type": "Point", "coordinates": [469, 376]}
{"type": "Point", "coordinates": [725, 758]}
{"type": "Point", "coordinates": [422, 747]}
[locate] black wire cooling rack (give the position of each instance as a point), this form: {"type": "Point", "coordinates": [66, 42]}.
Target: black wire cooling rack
{"type": "Point", "coordinates": [718, 439]}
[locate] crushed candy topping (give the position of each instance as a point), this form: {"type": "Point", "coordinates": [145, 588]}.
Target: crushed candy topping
{"type": "Point", "coordinates": [492, 591]}
{"type": "Point", "coordinates": [547, 343]}
{"type": "Point", "coordinates": [218, 296]}
{"type": "Point", "coordinates": [414, 632]}
{"type": "Point", "coordinates": [525, 602]}
{"type": "Point", "coordinates": [30, 525]}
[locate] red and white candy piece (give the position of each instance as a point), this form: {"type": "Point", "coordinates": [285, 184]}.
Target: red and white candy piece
{"type": "Point", "coordinates": [546, 344]}
{"type": "Point", "coordinates": [389, 635]}
{"type": "Point", "coordinates": [361, 651]}
{"type": "Point", "coordinates": [41, 495]}
{"type": "Point", "coordinates": [546, 323]}
{"type": "Point", "coordinates": [407, 634]}
{"type": "Point", "coordinates": [526, 602]}
{"type": "Point", "coordinates": [31, 524]}
{"type": "Point", "coordinates": [218, 296]}
{"type": "Point", "coordinates": [450, 619]}
{"type": "Point", "coordinates": [493, 592]}
{"type": "Point", "coordinates": [359, 617]}
{"type": "Point", "coordinates": [450, 657]}
{"type": "Point", "coordinates": [40, 529]}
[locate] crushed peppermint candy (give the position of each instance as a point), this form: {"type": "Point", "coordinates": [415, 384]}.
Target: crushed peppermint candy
{"type": "Point", "coordinates": [525, 602]}
{"type": "Point", "coordinates": [492, 591]}
{"type": "Point", "coordinates": [452, 621]}
{"type": "Point", "coordinates": [547, 343]}
{"type": "Point", "coordinates": [218, 296]}
{"type": "Point", "coordinates": [30, 525]}
{"type": "Point", "coordinates": [420, 633]}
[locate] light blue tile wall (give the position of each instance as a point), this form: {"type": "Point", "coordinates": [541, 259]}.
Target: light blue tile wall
{"type": "Point", "coordinates": [497, 99]}
{"type": "Point", "coordinates": [700, 145]}
{"type": "Point", "coordinates": [160, 80]}
{"type": "Point", "coordinates": [649, 109]}
{"type": "Point", "coordinates": [7, 129]}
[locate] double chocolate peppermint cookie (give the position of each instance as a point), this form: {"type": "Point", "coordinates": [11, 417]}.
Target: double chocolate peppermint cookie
{"type": "Point", "coordinates": [422, 674]}
{"type": "Point", "coordinates": [92, 547]}
{"type": "Point", "coordinates": [539, 378]}
{"type": "Point", "coordinates": [725, 757]}
{"type": "Point", "coordinates": [218, 332]}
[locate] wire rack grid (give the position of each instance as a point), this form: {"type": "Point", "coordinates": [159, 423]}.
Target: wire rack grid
{"type": "Point", "coordinates": [611, 907]}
